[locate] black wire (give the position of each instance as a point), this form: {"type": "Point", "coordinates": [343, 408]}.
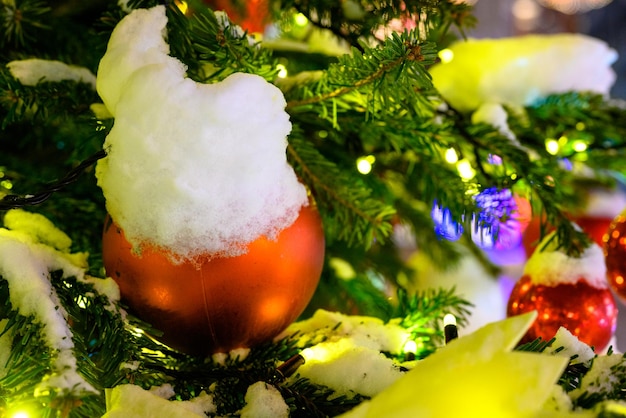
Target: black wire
{"type": "Point", "coordinates": [14, 201]}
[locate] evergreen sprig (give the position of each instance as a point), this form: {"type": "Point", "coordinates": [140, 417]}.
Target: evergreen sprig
{"type": "Point", "coordinates": [112, 348]}
{"type": "Point", "coordinates": [49, 103]}
{"type": "Point", "coordinates": [355, 20]}
{"type": "Point", "coordinates": [377, 100]}
{"type": "Point", "coordinates": [376, 82]}
{"type": "Point", "coordinates": [349, 210]}
{"type": "Point", "coordinates": [21, 20]}
{"type": "Point", "coordinates": [422, 313]}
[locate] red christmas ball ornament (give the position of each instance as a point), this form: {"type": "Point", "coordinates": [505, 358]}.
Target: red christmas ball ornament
{"type": "Point", "coordinates": [251, 15]}
{"type": "Point", "coordinates": [601, 207]}
{"type": "Point", "coordinates": [615, 255]}
{"type": "Point", "coordinates": [566, 292]}
{"type": "Point", "coordinates": [595, 227]}
{"type": "Point", "coordinates": [225, 302]}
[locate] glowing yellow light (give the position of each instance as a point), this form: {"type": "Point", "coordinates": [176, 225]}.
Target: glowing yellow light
{"type": "Point", "coordinates": [446, 55]}
{"type": "Point", "coordinates": [342, 268]}
{"type": "Point", "coordinates": [580, 126]}
{"type": "Point", "coordinates": [20, 414]}
{"type": "Point", "coordinates": [325, 353]}
{"type": "Point", "coordinates": [182, 6]}
{"type": "Point", "coordinates": [451, 156]}
{"type": "Point", "coordinates": [579, 146]}
{"type": "Point", "coordinates": [81, 301]}
{"type": "Point", "coordinates": [410, 347]}
{"type": "Point", "coordinates": [617, 408]}
{"type": "Point", "coordinates": [465, 170]}
{"type": "Point", "coordinates": [449, 319]}
{"type": "Point", "coordinates": [300, 19]}
{"type": "Point", "coordinates": [364, 164]}
{"type": "Point", "coordinates": [137, 331]}
{"type": "Point", "coordinates": [513, 176]}
{"type": "Point", "coordinates": [6, 184]}
{"type": "Point", "coordinates": [282, 70]}
{"type": "Point", "coordinates": [552, 146]}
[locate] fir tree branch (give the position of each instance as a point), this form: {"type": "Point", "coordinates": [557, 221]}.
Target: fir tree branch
{"type": "Point", "coordinates": [356, 216]}
{"type": "Point", "coordinates": [414, 54]}
{"type": "Point", "coordinates": [44, 103]}
{"type": "Point", "coordinates": [398, 65]}
{"type": "Point", "coordinates": [20, 20]}
{"type": "Point", "coordinates": [422, 315]}
{"type": "Point", "coordinates": [357, 20]}
{"type": "Point", "coordinates": [214, 49]}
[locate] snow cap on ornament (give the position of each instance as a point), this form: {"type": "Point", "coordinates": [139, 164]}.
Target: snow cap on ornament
{"type": "Point", "coordinates": [519, 70]}
{"type": "Point", "coordinates": [549, 266]}
{"type": "Point", "coordinates": [191, 168]}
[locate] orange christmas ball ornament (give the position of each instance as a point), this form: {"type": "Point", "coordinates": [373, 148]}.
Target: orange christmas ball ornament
{"type": "Point", "coordinates": [224, 303]}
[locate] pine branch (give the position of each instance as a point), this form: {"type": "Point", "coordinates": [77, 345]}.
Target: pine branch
{"type": "Point", "coordinates": [421, 314]}
{"type": "Point", "coordinates": [316, 401]}
{"type": "Point", "coordinates": [349, 210]}
{"type": "Point", "coordinates": [365, 81]}
{"type": "Point", "coordinates": [213, 49]}
{"type": "Point", "coordinates": [21, 21]}
{"type": "Point", "coordinates": [572, 117]}
{"type": "Point", "coordinates": [414, 54]}
{"type": "Point", "coordinates": [358, 293]}
{"type": "Point", "coordinates": [50, 103]}
{"type": "Point", "coordinates": [354, 21]}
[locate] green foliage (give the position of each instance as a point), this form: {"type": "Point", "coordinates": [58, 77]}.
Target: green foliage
{"type": "Point", "coordinates": [355, 20]}
{"type": "Point", "coordinates": [110, 350]}
{"type": "Point", "coordinates": [422, 315]}
{"type": "Point", "coordinates": [376, 101]}
{"type": "Point", "coordinates": [21, 21]}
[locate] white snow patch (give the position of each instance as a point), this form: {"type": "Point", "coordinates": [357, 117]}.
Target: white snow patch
{"type": "Point", "coordinates": [550, 267]}
{"type": "Point", "coordinates": [517, 71]}
{"type": "Point", "coordinates": [33, 71]}
{"type": "Point", "coordinates": [192, 168]}
{"type": "Point", "coordinates": [264, 401]}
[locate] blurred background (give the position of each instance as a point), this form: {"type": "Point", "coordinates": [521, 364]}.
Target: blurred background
{"type": "Point", "coordinates": [603, 19]}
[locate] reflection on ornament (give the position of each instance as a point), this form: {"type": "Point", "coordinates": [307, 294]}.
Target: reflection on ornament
{"type": "Point", "coordinates": [225, 302]}
{"type": "Point", "coordinates": [587, 312]}
{"type": "Point", "coordinates": [445, 226]}
{"type": "Point", "coordinates": [615, 255]}
{"type": "Point", "coordinates": [499, 226]}
{"type": "Point", "coordinates": [502, 221]}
